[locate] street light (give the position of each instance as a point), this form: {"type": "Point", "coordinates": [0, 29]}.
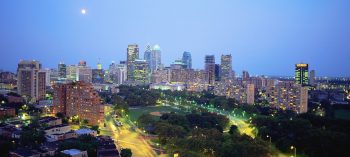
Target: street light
{"type": "Point", "coordinates": [295, 150]}
{"type": "Point", "coordinates": [269, 137]}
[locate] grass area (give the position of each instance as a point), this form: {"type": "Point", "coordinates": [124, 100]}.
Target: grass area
{"type": "Point", "coordinates": [342, 114]}
{"type": "Point", "coordinates": [135, 113]}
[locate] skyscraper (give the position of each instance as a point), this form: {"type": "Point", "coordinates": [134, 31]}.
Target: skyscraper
{"type": "Point", "coordinates": [121, 73]}
{"type": "Point", "coordinates": [302, 74]}
{"type": "Point", "coordinates": [226, 67]}
{"type": "Point", "coordinates": [62, 68]}
{"type": "Point", "coordinates": [72, 73]}
{"type": "Point", "coordinates": [84, 72]}
{"type": "Point", "coordinates": [187, 60]}
{"type": "Point", "coordinates": [132, 55]}
{"type": "Point", "coordinates": [153, 57]}
{"type": "Point", "coordinates": [148, 54]}
{"type": "Point", "coordinates": [141, 72]}
{"type": "Point", "coordinates": [312, 77]}
{"type": "Point", "coordinates": [210, 69]}
{"type": "Point", "coordinates": [31, 80]}
{"type": "Point", "coordinates": [245, 75]}
{"type": "Point", "coordinates": [250, 91]}
{"type": "Point", "coordinates": [217, 72]}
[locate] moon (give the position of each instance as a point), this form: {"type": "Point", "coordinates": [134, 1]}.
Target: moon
{"type": "Point", "coordinates": [83, 11]}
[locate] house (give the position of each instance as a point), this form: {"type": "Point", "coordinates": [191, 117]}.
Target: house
{"type": "Point", "coordinates": [50, 121]}
{"type": "Point", "coordinates": [86, 131]}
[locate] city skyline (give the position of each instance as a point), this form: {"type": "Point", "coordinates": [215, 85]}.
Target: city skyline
{"type": "Point", "coordinates": [259, 36]}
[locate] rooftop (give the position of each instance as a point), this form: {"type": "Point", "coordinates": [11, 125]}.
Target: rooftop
{"type": "Point", "coordinates": [84, 131]}
{"type": "Point", "coordinates": [71, 151]}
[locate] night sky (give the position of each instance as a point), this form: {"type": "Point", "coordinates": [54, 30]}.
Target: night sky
{"type": "Point", "coordinates": [264, 36]}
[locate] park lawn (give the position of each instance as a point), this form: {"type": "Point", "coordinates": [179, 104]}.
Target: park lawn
{"type": "Point", "coordinates": [135, 113]}
{"type": "Point", "coordinates": [342, 114]}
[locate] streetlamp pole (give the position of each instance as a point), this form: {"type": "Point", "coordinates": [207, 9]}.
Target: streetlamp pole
{"type": "Point", "coordinates": [269, 137]}
{"type": "Point", "coordinates": [295, 150]}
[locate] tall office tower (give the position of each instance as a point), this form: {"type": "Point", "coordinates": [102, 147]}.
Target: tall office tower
{"type": "Point", "coordinates": [218, 72]}
{"type": "Point", "coordinates": [84, 72]}
{"type": "Point", "coordinates": [226, 67]}
{"type": "Point", "coordinates": [31, 80]}
{"type": "Point", "coordinates": [312, 77]}
{"type": "Point", "coordinates": [187, 60]}
{"type": "Point", "coordinates": [148, 55]}
{"type": "Point", "coordinates": [62, 68]}
{"type": "Point", "coordinates": [72, 73]}
{"type": "Point", "coordinates": [245, 76]}
{"type": "Point", "coordinates": [210, 69]}
{"type": "Point", "coordinates": [54, 76]}
{"type": "Point", "coordinates": [153, 57]}
{"type": "Point", "coordinates": [47, 76]}
{"type": "Point", "coordinates": [141, 72]}
{"type": "Point", "coordinates": [78, 99]}
{"type": "Point", "coordinates": [250, 91]}
{"type": "Point", "coordinates": [302, 74]}
{"type": "Point", "coordinates": [157, 58]}
{"type": "Point", "coordinates": [132, 55]}
{"type": "Point", "coordinates": [121, 73]}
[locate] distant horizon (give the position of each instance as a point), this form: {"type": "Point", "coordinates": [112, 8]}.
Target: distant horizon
{"type": "Point", "coordinates": [263, 37]}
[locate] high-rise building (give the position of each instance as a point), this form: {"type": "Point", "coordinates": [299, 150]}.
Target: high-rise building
{"type": "Point", "coordinates": [218, 72]}
{"type": "Point", "coordinates": [187, 60]}
{"type": "Point", "coordinates": [31, 80]}
{"type": "Point", "coordinates": [72, 73]}
{"type": "Point", "coordinates": [84, 72]}
{"type": "Point", "coordinates": [78, 99]}
{"type": "Point", "coordinates": [97, 76]}
{"type": "Point", "coordinates": [210, 69]}
{"type": "Point", "coordinates": [141, 72]}
{"type": "Point", "coordinates": [121, 73]}
{"type": "Point", "coordinates": [62, 68]}
{"type": "Point", "coordinates": [245, 76]}
{"type": "Point", "coordinates": [312, 77]}
{"type": "Point", "coordinates": [302, 74]}
{"type": "Point", "coordinates": [153, 57]}
{"type": "Point", "coordinates": [250, 94]}
{"type": "Point", "coordinates": [226, 67]}
{"type": "Point", "coordinates": [156, 57]}
{"type": "Point", "coordinates": [132, 55]}
{"type": "Point", "coordinates": [148, 55]}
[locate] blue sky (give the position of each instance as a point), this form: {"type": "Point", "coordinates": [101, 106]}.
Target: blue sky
{"type": "Point", "coordinates": [264, 36]}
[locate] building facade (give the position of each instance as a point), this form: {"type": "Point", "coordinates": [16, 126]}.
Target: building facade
{"type": "Point", "coordinates": [187, 60]}
{"type": "Point", "coordinates": [132, 55]}
{"type": "Point", "coordinates": [302, 74]}
{"type": "Point", "coordinates": [226, 67]}
{"type": "Point", "coordinates": [31, 80]}
{"type": "Point", "coordinates": [210, 69]}
{"type": "Point", "coordinates": [78, 99]}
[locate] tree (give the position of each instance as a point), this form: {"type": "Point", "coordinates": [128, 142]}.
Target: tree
{"type": "Point", "coordinates": [126, 152]}
{"type": "Point", "coordinates": [233, 130]}
{"type": "Point", "coordinates": [60, 115]}
{"type": "Point", "coordinates": [96, 128]}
